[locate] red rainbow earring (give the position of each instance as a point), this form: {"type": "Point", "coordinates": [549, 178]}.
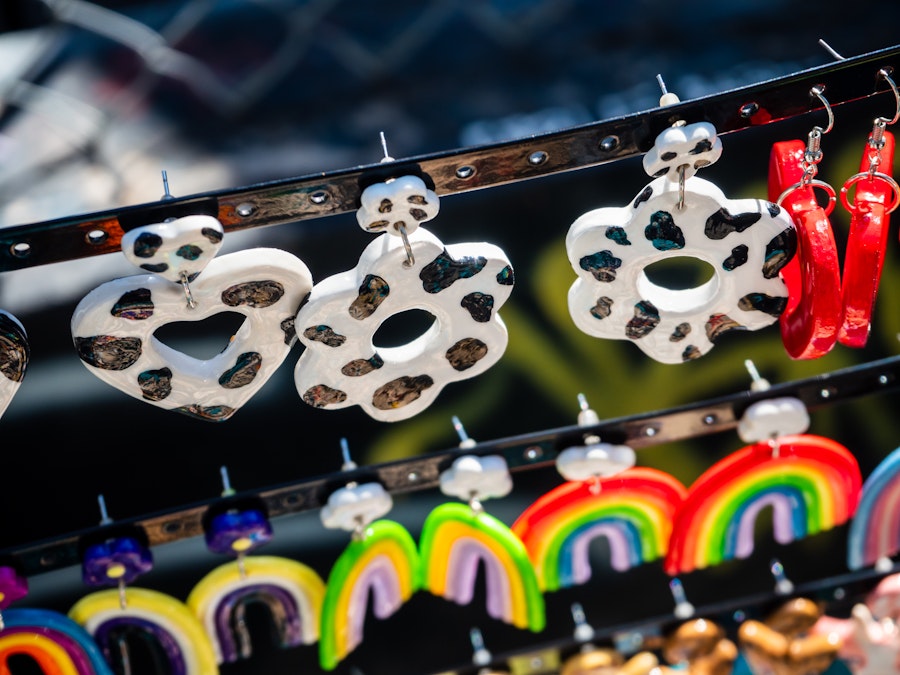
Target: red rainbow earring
{"type": "Point", "coordinates": [605, 496]}
{"type": "Point", "coordinates": [811, 483]}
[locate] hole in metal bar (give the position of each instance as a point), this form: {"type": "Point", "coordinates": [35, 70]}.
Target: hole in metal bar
{"type": "Point", "coordinates": [245, 210]}
{"type": "Point", "coordinates": [710, 419]}
{"type": "Point", "coordinates": [533, 452]}
{"type": "Point", "coordinates": [20, 250]}
{"type": "Point", "coordinates": [96, 237]}
{"type": "Point", "coordinates": [609, 143]}
{"type": "Point", "coordinates": [465, 171]}
{"type": "Point", "coordinates": [318, 197]}
{"type": "Point", "coordinates": [537, 158]}
{"type": "Point", "coordinates": [748, 110]}
{"type": "Point", "coordinates": [171, 527]}
{"type": "Point", "coordinates": [827, 392]}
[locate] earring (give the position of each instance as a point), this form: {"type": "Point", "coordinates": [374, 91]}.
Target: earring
{"type": "Point", "coordinates": [810, 323]}
{"type": "Point", "coordinates": [113, 326]}
{"type": "Point", "coordinates": [746, 242]}
{"type": "Point", "coordinates": [874, 534]}
{"type": "Point", "coordinates": [606, 495]}
{"type": "Point", "coordinates": [15, 352]}
{"type": "Point", "coordinates": [163, 623]}
{"type": "Point", "coordinates": [457, 537]}
{"type": "Point", "coordinates": [381, 559]}
{"type": "Point", "coordinates": [812, 484]}
{"type": "Point", "coordinates": [462, 286]}
{"type": "Point", "coordinates": [877, 196]}
{"type": "Point", "coordinates": [290, 591]}
{"type": "Point", "coordinates": [52, 640]}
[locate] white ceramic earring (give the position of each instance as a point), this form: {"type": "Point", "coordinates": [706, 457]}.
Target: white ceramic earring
{"type": "Point", "coordinates": [407, 268]}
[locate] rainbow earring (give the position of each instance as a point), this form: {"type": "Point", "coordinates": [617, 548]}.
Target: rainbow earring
{"type": "Point", "coordinates": [812, 484]}
{"type": "Point", "coordinates": [381, 559]}
{"type": "Point", "coordinates": [407, 268]}
{"type": "Point", "coordinates": [116, 615]}
{"type": "Point", "coordinates": [457, 537]}
{"type": "Point", "coordinates": [290, 591]}
{"type": "Point", "coordinates": [874, 534]}
{"type": "Point", "coordinates": [52, 640]}
{"type": "Point", "coordinates": [113, 326]}
{"type": "Point", "coordinates": [745, 242]}
{"type": "Point", "coordinates": [606, 495]}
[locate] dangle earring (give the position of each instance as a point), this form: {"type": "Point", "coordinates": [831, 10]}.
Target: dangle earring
{"type": "Point", "coordinates": [15, 352]}
{"type": "Point", "coordinates": [407, 268]}
{"type": "Point", "coordinates": [457, 537]}
{"type": "Point", "coordinates": [812, 319]}
{"type": "Point", "coordinates": [52, 640]}
{"type": "Point", "coordinates": [113, 327]}
{"type": "Point", "coordinates": [812, 484]}
{"type": "Point", "coordinates": [114, 616]}
{"type": "Point", "coordinates": [381, 560]}
{"type": "Point", "coordinates": [746, 242]}
{"type": "Point", "coordinates": [291, 591]}
{"type": "Point", "coordinates": [877, 196]}
{"type": "Point", "coordinates": [606, 495]}
{"type": "Point", "coordinates": [874, 534]}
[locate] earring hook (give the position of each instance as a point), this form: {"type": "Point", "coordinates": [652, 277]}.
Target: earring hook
{"type": "Point", "coordinates": [883, 72]}
{"type": "Point", "coordinates": [818, 90]}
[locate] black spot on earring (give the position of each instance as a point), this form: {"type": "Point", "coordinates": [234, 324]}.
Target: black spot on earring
{"type": "Point", "coordinates": [146, 245]}
{"type": "Point", "coordinates": [779, 252]}
{"type": "Point", "coordinates": [243, 372]}
{"type": "Point", "coordinates": [602, 308]}
{"type": "Point", "coordinates": [155, 385]}
{"type": "Point", "coordinates": [263, 293]}
{"type": "Point", "coordinates": [325, 335]}
{"type": "Point", "coordinates": [722, 223]}
{"type": "Point", "coordinates": [737, 258]}
{"type": "Point", "coordinates": [109, 352]}
{"type": "Point", "coordinates": [618, 235]}
{"type": "Point", "coordinates": [134, 305]}
{"type": "Point", "coordinates": [372, 292]}
{"type": "Point", "coordinates": [773, 305]}
{"type": "Point", "coordinates": [645, 194]}
{"type": "Point", "coordinates": [443, 271]}
{"type": "Point", "coordinates": [646, 318]}
{"type": "Point", "coordinates": [478, 305]}
{"type": "Point", "coordinates": [663, 233]}
{"type": "Point", "coordinates": [602, 265]}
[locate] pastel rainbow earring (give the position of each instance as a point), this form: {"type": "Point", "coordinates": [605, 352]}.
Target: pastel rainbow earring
{"type": "Point", "coordinates": [120, 612]}
{"type": "Point", "coordinates": [811, 321]}
{"type": "Point", "coordinates": [877, 196]}
{"type": "Point", "coordinates": [113, 327]}
{"type": "Point", "coordinates": [381, 559]}
{"type": "Point", "coordinates": [456, 538]}
{"type": "Point", "coordinates": [290, 591]}
{"type": "Point", "coordinates": [462, 286]}
{"type": "Point", "coordinates": [744, 242]}
{"type": "Point", "coordinates": [811, 483]}
{"type": "Point", "coordinates": [51, 639]}
{"type": "Point", "coordinates": [874, 534]}
{"type": "Point", "coordinates": [605, 496]}
{"type": "Point", "coordinates": [15, 352]}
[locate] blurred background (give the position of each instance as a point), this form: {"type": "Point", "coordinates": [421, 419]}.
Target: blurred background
{"type": "Point", "coordinates": [98, 98]}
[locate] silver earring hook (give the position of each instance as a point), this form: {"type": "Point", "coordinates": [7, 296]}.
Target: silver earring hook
{"type": "Point", "coordinates": [883, 72]}
{"type": "Point", "coordinates": [401, 228]}
{"type": "Point", "coordinates": [818, 91]}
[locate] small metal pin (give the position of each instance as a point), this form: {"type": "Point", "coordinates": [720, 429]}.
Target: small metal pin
{"type": "Point", "coordinates": [464, 440]}
{"type": "Point", "coordinates": [387, 157]}
{"type": "Point", "coordinates": [831, 51]}
{"type": "Point", "coordinates": [683, 608]}
{"type": "Point", "coordinates": [104, 515]}
{"type": "Point", "coordinates": [480, 654]}
{"type": "Point", "coordinates": [587, 417]}
{"type": "Point", "coordinates": [227, 490]}
{"type": "Point", "coordinates": [584, 632]}
{"type": "Point", "coordinates": [349, 464]}
{"type": "Point", "coordinates": [758, 383]}
{"type": "Point", "coordinates": [783, 585]}
{"type": "Point", "coordinates": [165, 180]}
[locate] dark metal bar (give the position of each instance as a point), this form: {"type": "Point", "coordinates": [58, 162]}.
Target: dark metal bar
{"type": "Point", "coordinates": [329, 193]}
{"type": "Point", "coordinates": [527, 451]}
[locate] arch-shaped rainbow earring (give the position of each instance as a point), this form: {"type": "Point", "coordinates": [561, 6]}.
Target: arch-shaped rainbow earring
{"type": "Point", "coordinates": [54, 642]}
{"type": "Point", "coordinates": [406, 268]}
{"type": "Point", "coordinates": [113, 327]}
{"type": "Point", "coordinates": [605, 495]}
{"type": "Point", "coordinates": [113, 616]}
{"type": "Point", "coordinates": [812, 484]}
{"type": "Point", "coordinates": [457, 537]}
{"type": "Point", "coordinates": [291, 592]}
{"type": "Point", "coordinates": [381, 558]}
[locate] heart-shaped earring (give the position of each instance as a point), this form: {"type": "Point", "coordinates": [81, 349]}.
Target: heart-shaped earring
{"type": "Point", "coordinates": [15, 352]}
{"type": "Point", "coordinates": [407, 268]}
{"type": "Point", "coordinates": [290, 591]}
{"type": "Point", "coordinates": [113, 327]}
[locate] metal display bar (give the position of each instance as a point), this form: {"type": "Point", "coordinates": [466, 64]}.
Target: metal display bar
{"type": "Point", "coordinates": [329, 193]}
{"type": "Point", "coordinates": [527, 451]}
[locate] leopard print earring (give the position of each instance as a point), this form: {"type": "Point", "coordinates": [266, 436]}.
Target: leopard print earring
{"type": "Point", "coordinates": [462, 286]}
{"type": "Point", "coordinates": [113, 326]}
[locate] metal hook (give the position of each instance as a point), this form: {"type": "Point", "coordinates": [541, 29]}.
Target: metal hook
{"type": "Point", "coordinates": [883, 72]}
{"type": "Point", "coordinates": [818, 90]}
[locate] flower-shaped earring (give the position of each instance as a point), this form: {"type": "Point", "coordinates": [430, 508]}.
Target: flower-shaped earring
{"type": "Point", "coordinates": [407, 268]}
{"type": "Point", "coordinates": [745, 242]}
{"type": "Point", "coordinates": [457, 537]}
{"type": "Point", "coordinates": [381, 560]}
{"type": "Point", "coordinates": [291, 591]}
{"type": "Point", "coordinates": [113, 326]}
{"type": "Point", "coordinates": [605, 496]}
{"type": "Point", "coordinates": [15, 352]}
{"type": "Point", "coordinates": [165, 624]}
